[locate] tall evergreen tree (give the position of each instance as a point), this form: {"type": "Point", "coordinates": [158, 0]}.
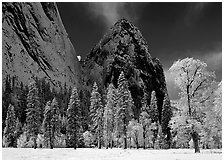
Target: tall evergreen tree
{"type": "Point", "coordinates": [96, 114]}
{"type": "Point", "coordinates": [145, 120]}
{"type": "Point", "coordinates": [47, 124]}
{"type": "Point", "coordinates": [109, 114]}
{"type": "Point", "coordinates": [124, 108]}
{"type": "Point", "coordinates": [73, 123]}
{"type": "Point", "coordinates": [6, 99]}
{"type": "Point", "coordinates": [18, 130]}
{"type": "Point", "coordinates": [33, 114]}
{"type": "Point", "coordinates": [51, 122]}
{"type": "Point", "coordinates": [55, 123]}
{"type": "Point", "coordinates": [10, 127]}
{"type": "Point", "coordinates": [153, 111]}
{"type": "Point", "coordinates": [166, 117]}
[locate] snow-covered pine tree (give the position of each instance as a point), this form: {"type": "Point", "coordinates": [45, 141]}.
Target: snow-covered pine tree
{"type": "Point", "coordinates": [10, 127]}
{"type": "Point", "coordinates": [153, 111]}
{"type": "Point", "coordinates": [55, 123]}
{"type": "Point", "coordinates": [47, 124]}
{"type": "Point", "coordinates": [18, 130]}
{"type": "Point", "coordinates": [73, 123]}
{"type": "Point", "coordinates": [166, 117]}
{"type": "Point", "coordinates": [145, 120]}
{"type": "Point", "coordinates": [33, 112]}
{"type": "Point", "coordinates": [124, 108]}
{"type": "Point", "coordinates": [109, 111]}
{"type": "Point", "coordinates": [96, 114]}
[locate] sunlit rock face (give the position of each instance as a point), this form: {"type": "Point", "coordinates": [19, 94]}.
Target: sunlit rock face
{"type": "Point", "coordinates": [35, 44]}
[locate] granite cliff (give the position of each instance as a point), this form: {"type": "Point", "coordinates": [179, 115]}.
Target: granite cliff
{"type": "Point", "coordinates": [123, 48]}
{"type": "Point", "coordinates": [35, 44]}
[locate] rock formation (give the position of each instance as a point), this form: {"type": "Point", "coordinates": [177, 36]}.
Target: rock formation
{"type": "Point", "coordinates": [35, 44]}
{"type": "Point", "coordinates": [123, 48]}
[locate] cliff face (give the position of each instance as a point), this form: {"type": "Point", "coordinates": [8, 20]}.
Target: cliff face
{"type": "Point", "coordinates": [35, 44]}
{"type": "Point", "coordinates": [123, 48]}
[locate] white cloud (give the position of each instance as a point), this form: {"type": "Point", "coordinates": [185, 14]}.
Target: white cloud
{"type": "Point", "coordinates": [108, 11]}
{"type": "Point", "coordinates": [111, 12]}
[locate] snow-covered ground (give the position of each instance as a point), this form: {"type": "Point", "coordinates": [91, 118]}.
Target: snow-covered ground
{"type": "Point", "coordinates": [110, 154]}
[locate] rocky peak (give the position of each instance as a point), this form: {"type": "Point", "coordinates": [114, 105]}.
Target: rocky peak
{"type": "Point", "coordinates": [123, 48]}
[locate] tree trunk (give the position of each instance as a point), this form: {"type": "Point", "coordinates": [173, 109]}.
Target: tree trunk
{"type": "Point", "coordinates": [99, 143]}
{"type": "Point", "coordinates": [125, 133]}
{"type": "Point", "coordinates": [117, 142]}
{"type": "Point", "coordinates": [137, 142]}
{"type": "Point", "coordinates": [35, 142]}
{"type": "Point", "coordinates": [51, 142]}
{"type": "Point", "coordinates": [75, 142]}
{"type": "Point", "coordinates": [111, 143]}
{"type": "Point", "coordinates": [107, 143]}
{"type": "Point", "coordinates": [125, 142]}
{"type": "Point", "coordinates": [195, 141]}
{"type": "Point", "coordinates": [188, 100]}
{"type": "Point", "coordinates": [143, 138]}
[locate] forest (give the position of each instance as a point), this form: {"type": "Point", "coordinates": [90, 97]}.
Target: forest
{"type": "Point", "coordinates": [38, 116]}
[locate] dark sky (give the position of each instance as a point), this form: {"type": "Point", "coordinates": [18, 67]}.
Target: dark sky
{"type": "Point", "coordinates": [173, 30]}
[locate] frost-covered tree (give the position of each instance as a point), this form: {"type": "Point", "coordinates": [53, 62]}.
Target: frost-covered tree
{"type": "Point", "coordinates": [10, 128]}
{"type": "Point", "coordinates": [33, 112]}
{"type": "Point", "coordinates": [63, 124]}
{"type": "Point", "coordinates": [153, 110]}
{"type": "Point", "coordinates": [109, 114]}
{"type": "Point", "coordinates": [96, 114]}
{"type": "Point", "coordinates": [18, 130]}
{"type": "Point", "coordinates": [73, 120]}
{"type": "Point", "coordinates": [47, 125]}
{"type": "Point", "coordinates": [55, 122]}
{"type": "Point", "coordinates": [135, 132]}
{"type": "Point", "coordinates": [194, 80]}
{"type": "Point", "coordinates": [124, 108]}
{"type": "Point", "coordinates": [145, 121]}
{"type": "Point", "coordinates": [51, 123]}
{"type": "Point", "coordinates": [212, 135]}
{"type": "Point", "coordinates": [88, 138]}
{"type": "Point", "coordinates": [166, 117]}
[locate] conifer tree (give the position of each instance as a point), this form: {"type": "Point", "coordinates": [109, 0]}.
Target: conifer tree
{"type": "Point", "coordinates": [6, 92]}
{"type": "Point", "coordinates": [109, 114]}
{"type": "Point", "coordinates": [153, 111]}
{"type": "Point", "coordinates": [124, 108]}
{"type": "Point", "coordinates": [10, 127]}
{"type": "Point", "coordinates": [47, 124]}
{"type": "Point", "coordinates": [96, 114]}
{"type": "Point", "coordinates": [19, 130]}
{"type": "Point", "coordinates": [33, 112]}
{"type": "Point", "coordinates": [166, 117]}
{"type": "Point", "coordinates": [145, 120]}
{"type": "Point", "coordinates": [73, 123]}
{"type": "Point", "coordinates": [51, 122]}
{"type": "Point", "coordinates": [55, 123]}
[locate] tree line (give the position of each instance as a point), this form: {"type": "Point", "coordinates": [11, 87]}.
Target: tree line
{"type": "Point", "coordinates": [196, 116]}
{"type": "Point", "coordinates": [111, 125]}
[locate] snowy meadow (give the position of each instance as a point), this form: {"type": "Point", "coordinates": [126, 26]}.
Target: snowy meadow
{"type": "Point", "coordinates": [108, 154]}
